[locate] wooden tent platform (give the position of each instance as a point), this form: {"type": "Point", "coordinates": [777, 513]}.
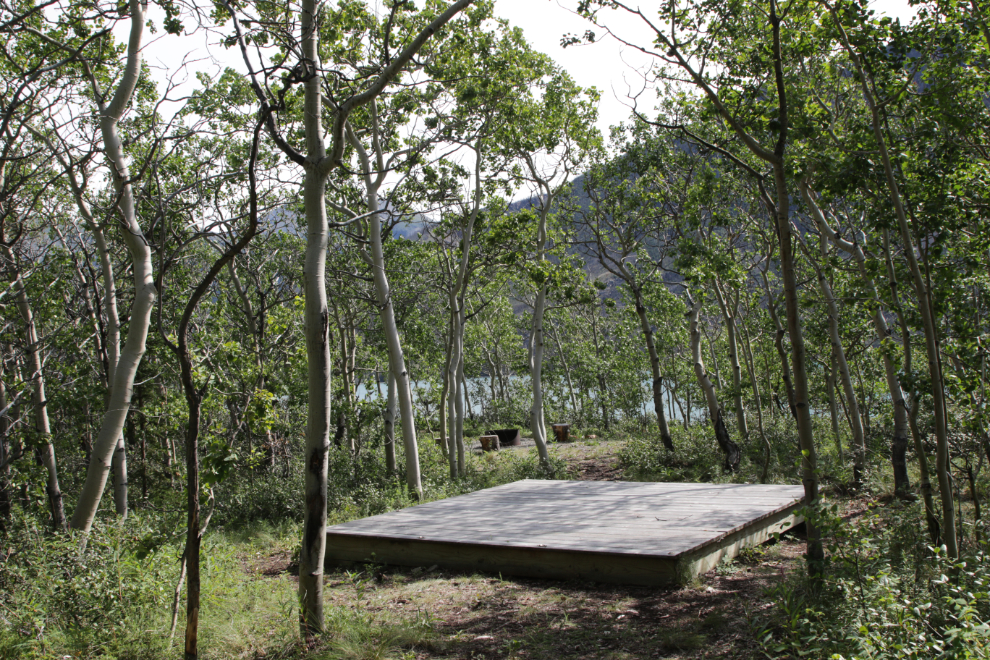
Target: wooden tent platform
{"type": "Point", "coordinates": [623, 532]}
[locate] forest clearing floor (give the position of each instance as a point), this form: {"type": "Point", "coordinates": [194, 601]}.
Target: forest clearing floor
{"type": "Point", "coordinates": [430, 613]}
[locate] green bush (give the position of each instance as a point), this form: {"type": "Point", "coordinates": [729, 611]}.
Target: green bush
{"type": "Point", "coordinates": [885, 595]}
{"type": "Point", "coordinates": [697, 457]}
{"type": "Point", "coordinates": [52, 590]}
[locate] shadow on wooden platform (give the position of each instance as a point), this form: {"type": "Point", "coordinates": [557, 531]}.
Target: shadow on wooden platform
{"type": "Point", "coordinates": [620, 532]}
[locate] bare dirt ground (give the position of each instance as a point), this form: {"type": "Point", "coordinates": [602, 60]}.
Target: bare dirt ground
{"type": "Point", "coordinates": [486, 616]}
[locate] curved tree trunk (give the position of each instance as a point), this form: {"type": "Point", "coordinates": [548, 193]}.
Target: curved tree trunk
{"type": "Point", "coordinates": [455, 406]}
{"type": "Point", "coordinates": [833, 405]}
{"type": "Point", "coordinates": [778, 342]}
{"type": "Point", "coordinates": [567, 372]}
{"type": "Point", "coordinates": [924, 479]}
{"type": "Point", "coordinates": [121, 388]}
{"type": "Point", "coordinates": [757, 402]}
{"type": "Point", "coordinates": [900, 440]}
{"type": "Point", "coordinates": [729, 448]}
{"type": "Point", "coordinates": [194, 401]}
{"type": "Point", "coordinates": [397, 361]}
{"type": "Point", "coordinates": [651, 348]}
{"type": "Point", "coordinates": [536, 422]}
{"type": "Point", "coordinates": [839, 354]}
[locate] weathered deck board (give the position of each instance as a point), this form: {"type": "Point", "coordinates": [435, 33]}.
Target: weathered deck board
{"type": "Point", "coordinates": [638, 533]}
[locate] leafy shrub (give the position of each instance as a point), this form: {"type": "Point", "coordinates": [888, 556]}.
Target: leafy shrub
{"type": "Point", "coordinates": [260, 496]}
{"type": "Point", "coordinates": [696, 455]}
{"type": "Point", "coordinates": [49, 587]}
{"type": "Point", "coordinates": [885, 595]}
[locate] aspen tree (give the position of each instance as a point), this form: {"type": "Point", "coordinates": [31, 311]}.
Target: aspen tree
{"type": "Point", "coordinates": [121, 389]}
{"type": "Point", "coordinates": [318, 158]}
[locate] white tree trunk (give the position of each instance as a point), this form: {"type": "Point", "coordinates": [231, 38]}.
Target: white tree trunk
{"type": "Point", "coordinates": [397, 361]}
{"type": "Point", "coordinates": [383, 292]}
{"type": "Point", "coordinates": [651, 349]}
{"type": "Point", "coordinates": [463, 404]}
{"type": "Point", "coordinates": [567, 372]}
{"type": "Point", "coordinates": [112, 347]}
{"type": "Point", "coordinates": [455, 409]}
{"type": "Point", "coordinates": [317, 328]}
{"type": "Point", "coordinates": [390, 406]}
{"type": "Point", "coordinates": [923, 295]}
{"type": "Point", "coordinates": [536, 421]}
{"type": "Point", "coordinates": [839, 353]}
{"type": "Point", "coordinates": [729, 316]}
{"type": "Point", "coordinates": [119, 465]}
{"type": "Point", "coordinates": [130, 356]}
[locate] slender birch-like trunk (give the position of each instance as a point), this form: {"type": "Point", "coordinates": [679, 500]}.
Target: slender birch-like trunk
{"type": "Point", "coordinates": [319, 361]}
{"type": "Point", "coordinates": [757, 401]}
{"type": "Point", "coordinates": [194, 401]}
{"type": "Point", "coordinates": [809, 459]}
{"type": "Point", "coordinates": [602, 385]}
{"type": "Point", "coordinates": [317, 165]}
{"type": "Point", "coordinates": [455, 365]}
{"type": "Point", "coordinates": [856, 249]}
{"type": "Point", "coordinates": [839, 354]}
{"type": "Point", "coordinates": [729, 448]}
{"type": "Point", "coordinates": [130, 355]}
{"type": "Point", "coordinates": [567, 372]}
{"type": "Point", "coordinates": [119, 468]}
{"type": "Point", "coordinates": [833, 406]}
{"type": "Point", "coordinates": [455, 406]}
{"type": "Point", "coordinates": [463, 408]}
{"type": "Point", "coordinates": [390, 405]}
{"type": "Point", "coordinates": [778, 342]}
{"type": "Point", "coordinates": [651, 348]}
{"type": "Point", "coordinates": [779, 206]}
{"type": "Point", "coordinates": [109, 360]}
{"type": "Point", "coordinates": [536, 422]}
{"type": "Point", "coordinates": [383, 292]}
{"type": "Point", "coordinates": [445, 395]}
{"type": "Point", "coordinates": [924, 479]}
{"type": "Point", "coordinates": [923, 295]}
{"type": "Point", "coordinates": [39, 401]}
{"type": "Point", "coordinates": [729, 316]}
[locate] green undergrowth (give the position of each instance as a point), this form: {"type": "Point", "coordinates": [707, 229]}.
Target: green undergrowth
{"type": "Point", "coordinates": [114, 600]}
{"type": "Point", "coordinates": [885, 594]}
{"type": "Point", "coordinates": [697, 458]}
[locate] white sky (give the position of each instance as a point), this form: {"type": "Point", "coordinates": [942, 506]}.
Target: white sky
{"type": "Point", "coordinates": [607, 65]}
